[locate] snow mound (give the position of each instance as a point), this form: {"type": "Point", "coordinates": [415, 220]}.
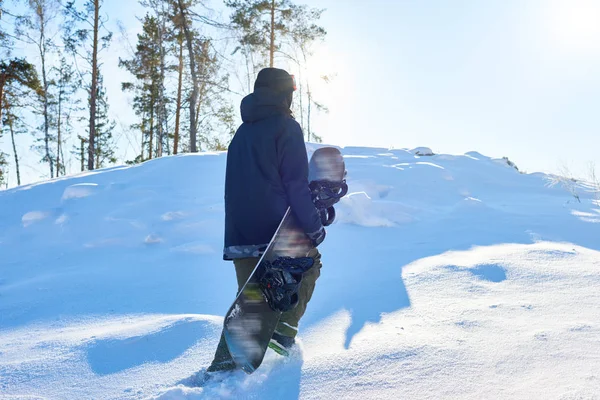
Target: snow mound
{"type": "Point", "coordinates": [422, 151]}
{"type": "Point", "coordinates": [505, 161]}
{"type": "Point", "coordinates": [476, 155]}
{"type": "Point", "coordinates": [79, 191]}
{"type": "Point", "coordinates": [454, 277]}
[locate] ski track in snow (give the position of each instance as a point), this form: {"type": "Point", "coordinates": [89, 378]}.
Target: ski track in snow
{"type": "Point", "coordinates": [474, 281]}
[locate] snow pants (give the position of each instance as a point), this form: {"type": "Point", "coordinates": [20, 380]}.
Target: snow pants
{"type": "Point", "coordinates": [288, 323]}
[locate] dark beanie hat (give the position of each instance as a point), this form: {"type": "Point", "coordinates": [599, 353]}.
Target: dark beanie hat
{"type": "Point", "coordinates": [276, 79]}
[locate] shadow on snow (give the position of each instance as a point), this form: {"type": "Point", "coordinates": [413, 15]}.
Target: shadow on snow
{"type": "Point", "coordinates": [110, 356]}
{"type": "Point", "coordinates": [366, 279]}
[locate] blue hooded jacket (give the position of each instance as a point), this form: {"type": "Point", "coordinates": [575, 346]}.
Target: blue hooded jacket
{"type": "Point", "coordinates": [267, 171]}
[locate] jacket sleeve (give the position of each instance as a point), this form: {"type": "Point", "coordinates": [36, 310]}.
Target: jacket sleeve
{"type": "Point", "coordinates": [293, 169]}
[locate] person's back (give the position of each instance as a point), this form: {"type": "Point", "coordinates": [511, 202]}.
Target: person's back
{"type": "Point", "coordinates": [267, 170]}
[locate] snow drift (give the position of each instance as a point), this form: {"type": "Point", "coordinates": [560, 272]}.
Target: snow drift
{"type": "Point", "coordinates": [445, 276]}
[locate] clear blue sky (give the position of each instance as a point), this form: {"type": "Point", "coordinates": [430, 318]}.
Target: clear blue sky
{"type": "Point", "coordinates": [509, 78]}
{"type": "Point", "coordinates": [504, 77]}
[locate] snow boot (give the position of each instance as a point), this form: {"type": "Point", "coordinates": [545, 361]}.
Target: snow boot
{"type": "Point", "coordinates": [281, 344]}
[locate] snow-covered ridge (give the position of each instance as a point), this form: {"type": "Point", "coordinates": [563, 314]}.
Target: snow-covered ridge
{"type": "Point", "coordinates": [445, 276]}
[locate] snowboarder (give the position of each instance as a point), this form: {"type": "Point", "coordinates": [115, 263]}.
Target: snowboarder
{"type": "Point", "coordinates": [267, 171]}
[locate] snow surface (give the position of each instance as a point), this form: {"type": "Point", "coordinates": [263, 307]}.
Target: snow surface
{"type": "Point", "coordinates": [445, 276]}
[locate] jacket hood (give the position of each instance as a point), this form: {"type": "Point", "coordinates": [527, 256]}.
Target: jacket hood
{"type": "Point", "coordinates": [264, 103]}
{"type": "Point", "coordinates": [276, 79]}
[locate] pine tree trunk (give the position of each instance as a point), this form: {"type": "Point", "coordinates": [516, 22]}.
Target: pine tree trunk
{"type": "Point", "coordinates": [97, 143]}
{"type": "Point", "coordinates": [94, 88]}
{"type": "Point", "coordinates": [179, 90]}
{"type": "Point", "coordinates": [58, 133]}
{"type": "Point", "coordinates": [82, 153]}
{"type": "Point", "coordinates": [2, 81]}
{"type": "Point", "coordinates": [194, 95]}
{"type": "Point", "coordinates": [42, 49]}
{"type": "Point", "coordinates": [14, 146]}
{"type": "Point", "coordinates": [161, 92]}
{"type": "Point", "coordinates": [202, 88]}
{"type": "Point", "coordinates": [272, 46]}
{"type": "Point", "coordinates": [142, 128]}
{"type": "Point", "coordinates": [150, 145]}
{"type": "Point", "coordinates": [62, 156]}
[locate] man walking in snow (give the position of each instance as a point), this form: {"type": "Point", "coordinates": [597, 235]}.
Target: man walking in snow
{"type": "Point", "coordinates": [267, 172]}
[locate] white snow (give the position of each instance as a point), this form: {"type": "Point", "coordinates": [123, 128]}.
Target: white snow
{"type": "Point", "coordinates": [173, 215]}
{"type": "Point", "coordinates": [430, 164]}
{"type": "Point", "coordinates": [452, 278]}
{"type": "Point", "coordinates": [32, 217]}
{"type": "Point", "coordinates": [153, 239]}
{"type": "Point", "coordinates": [79, 191]}
{"type": "Point", "coordinates": [61, 219]}
{"type": "Point", "coordinates": [422, 151]}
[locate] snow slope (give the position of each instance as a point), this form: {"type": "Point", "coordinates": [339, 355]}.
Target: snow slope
{"type": "Point", "coordinates": [444, 277]}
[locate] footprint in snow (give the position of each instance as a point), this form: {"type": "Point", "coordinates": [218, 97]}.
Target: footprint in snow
{"type": "Point", "coordinates": [489, 272]}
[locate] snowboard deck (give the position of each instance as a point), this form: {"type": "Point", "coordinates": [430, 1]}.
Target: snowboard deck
{"type": "Point", "coordinates": [250, 322]}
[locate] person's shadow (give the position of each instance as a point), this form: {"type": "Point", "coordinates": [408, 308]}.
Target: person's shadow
{"type": "Point", "coordinates": [362, 267]}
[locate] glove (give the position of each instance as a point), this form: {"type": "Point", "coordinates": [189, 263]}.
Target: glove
{"type": "Point", "coordinates": [317, 237]}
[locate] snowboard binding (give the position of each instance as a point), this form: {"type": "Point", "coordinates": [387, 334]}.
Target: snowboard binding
{"type": "Point", "coordinates": [325, 194]}
{"type": "Point", "coordinates": [280, 281]}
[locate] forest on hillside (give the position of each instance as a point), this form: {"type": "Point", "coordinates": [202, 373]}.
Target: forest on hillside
{"type": "Point", "coordinates": [186, 67]}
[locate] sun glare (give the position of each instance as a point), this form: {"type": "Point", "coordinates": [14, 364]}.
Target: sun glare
{"type": "Point", "coordinates": [575, 24]}
{"type": "Point", "coordinates": [319, 64]}
{"type": "Point", "coordinates": [321, 71]}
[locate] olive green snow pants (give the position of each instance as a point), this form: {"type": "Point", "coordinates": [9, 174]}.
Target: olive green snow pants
{"type": "Point", "coordinates": [288, 323]}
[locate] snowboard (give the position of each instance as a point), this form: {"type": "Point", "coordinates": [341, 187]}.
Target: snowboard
{"type": "Point", "coordinates": [252, 318]}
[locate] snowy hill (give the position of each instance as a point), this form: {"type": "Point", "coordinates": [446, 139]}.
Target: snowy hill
{"type": "Point", "coordinates": [444, 277]}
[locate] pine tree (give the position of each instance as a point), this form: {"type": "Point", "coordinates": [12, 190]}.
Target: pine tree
{"type": "Point", "coordinates": [271, 28]}
{"type": "Point", "coordinates": [66, 86]}
{"type": "Point", "coordinates": [145, 67]}
{"type": "Point", "coordinates": [82, 38]}
{"type": "Point", "coordinates": [103, 128]}
{"type": "Point", "coordinates": [182, 19]}
{"type": "Point", "coordinates": [214, 114]}
{"type": "Point", "coordinates": [3, 168]}
{"type": "Point", "coordinates": [5, 43]}
{"type": "Point", "coordinates": [19, 84]}
{"type": "Point", "coordinates": [35, 29]}
{"type": "Point", "coordinates": [165, 33]}
{"type": "Point", "coordinates": [13, 124]}
{"type": "Point", "coordinates": [79, 151]}
{"type": "Point", "coordinates": [180, 66]}
{"type": "Point", "coordinates": [17, 71]}
{"type": "Point", "coordinates": [262, 23]}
